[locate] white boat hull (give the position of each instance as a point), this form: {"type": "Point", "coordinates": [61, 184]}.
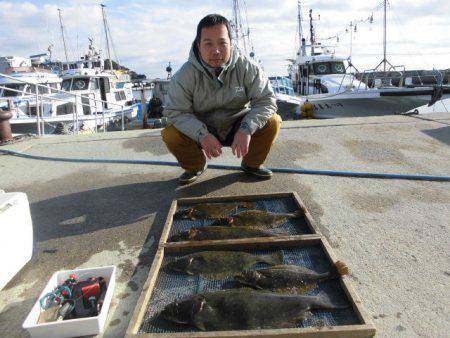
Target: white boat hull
{"type": "Point", "coordinates": [386, 101]}
{"type": "Point", "coordinates": [109, 120]}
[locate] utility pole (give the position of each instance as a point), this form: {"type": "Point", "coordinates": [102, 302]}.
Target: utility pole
{"type": "Point", "coordinates": [62, 34]}
{"type": "Point", "coordinates": [106, 34]}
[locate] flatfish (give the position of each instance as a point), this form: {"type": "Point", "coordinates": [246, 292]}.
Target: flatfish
{"type": "Point", "coordinates": [288, 277]}
{"type": "Point", "coordinates": [220, 264]}
{"type": "Point", "coordinates": [211, 210]}
{"type": "Point", "coordinates": [258, 218]}
{"type": "Point", "coordinates": [243, 309]}
{"type": "Point", "coordinates": [224, 232]}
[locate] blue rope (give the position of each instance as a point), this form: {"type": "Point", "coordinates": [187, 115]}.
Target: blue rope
{"type": "Point", "coordinates": [233, 167]}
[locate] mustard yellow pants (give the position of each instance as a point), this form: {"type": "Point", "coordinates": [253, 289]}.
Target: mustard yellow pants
{"type": "Point", "coordinates": [192, 159]}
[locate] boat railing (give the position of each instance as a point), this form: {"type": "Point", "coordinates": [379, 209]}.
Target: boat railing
{"type": "Point", "coordinates": [40, 98]}
{"type": "Point", "coordinates": [398, 77]}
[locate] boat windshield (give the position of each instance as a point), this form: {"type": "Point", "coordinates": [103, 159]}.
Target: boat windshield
{"type": "Point", "coordinates": [12, 93]}
{"type": "Point", "coordinates": [324, 68]}
{"type": "Point", "coordinates": [75, 84]}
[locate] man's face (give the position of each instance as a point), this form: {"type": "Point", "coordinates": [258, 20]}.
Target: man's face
{"type": "Point", "coordinates": [215, 45]}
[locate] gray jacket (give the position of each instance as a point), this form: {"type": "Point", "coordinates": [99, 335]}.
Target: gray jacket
{"type": "Point", "coordinates": [199, 102]}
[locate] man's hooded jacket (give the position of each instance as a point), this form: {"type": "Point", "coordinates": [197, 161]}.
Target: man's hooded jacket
{"type": "Point", "coordinates": [200, 102]}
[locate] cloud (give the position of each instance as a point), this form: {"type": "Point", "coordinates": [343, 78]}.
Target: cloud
{"type": "Point", "coordinates": [149, 34]}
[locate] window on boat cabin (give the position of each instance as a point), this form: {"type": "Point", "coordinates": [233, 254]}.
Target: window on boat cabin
{"type": "Point", "coordinates": [323, 68]}
{"type": "Point", "coordinates": [53, 86]}
{"type": "Point", "coordinates": [120, 95]}
{"type": "Point", "coordinates": [65, 108]}
{"type": "Point", "coordinates": [66, 84]}
{"type": "Point", "coordinates": [13, 93]}
{"type": "Point", "coordinates": [80, 83]}
{"type": "Point", "coordinates": [43, 90]}
{"type": "Point", "coordinates": [30, 89]}
{"type": "Point", "coordinates": [94, 83]}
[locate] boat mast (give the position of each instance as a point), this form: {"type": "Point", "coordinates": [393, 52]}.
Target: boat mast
{"type": "Point", "coordinates": [311, 30]}
{"type": "Point", "coordinates": [384, 37]}
{"type": "Point", "coordinates": [106, 34]}
{"type": "Point", "coordinates": [239, 34]}
{"type": "Point", "coordinates": [300, 31]}
{"type": "Point", "coordinates": [62, 34]}
{"type": "Point", "coordinates": [384, 62]}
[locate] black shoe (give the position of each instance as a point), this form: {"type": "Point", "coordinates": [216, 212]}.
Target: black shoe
{"type": "Point", "coordinates": [189, 177]}
{"type": "Point", "coordinates": [260, 172]}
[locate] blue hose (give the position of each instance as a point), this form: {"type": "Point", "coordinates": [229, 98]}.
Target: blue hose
{"type": "Point", "coordinates": [233, 167]}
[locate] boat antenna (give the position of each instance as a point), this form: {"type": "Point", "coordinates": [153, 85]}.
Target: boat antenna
{"type": "Point", "coordinates": [62, 34]}
{"type": "Point", "coordinates": [106, 34]}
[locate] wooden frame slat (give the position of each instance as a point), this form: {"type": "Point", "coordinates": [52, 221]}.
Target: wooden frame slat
{"type": "Point", "coordinates": [366, 329]}
{"type": "Point", "coordinates": [196, 200]}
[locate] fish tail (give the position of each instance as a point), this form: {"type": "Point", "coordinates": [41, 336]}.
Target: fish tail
{"type": "Point", "coordinates": [273, 259]}
{"type": "Point", "coordinates": [323, 301]}
{"type": "Point", "coordinates": [297, 214]}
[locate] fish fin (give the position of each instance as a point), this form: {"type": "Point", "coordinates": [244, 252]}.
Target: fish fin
{"type": "Point", "coordinates": [323, 301]}
{"type": "Point", "coordinates": [217, 275]}
{"type": "Point", "coordinates": [297, 214]}
{"type": "Point", "coordinates": [337, 270]}
{"type": "Point", "coordinates": [342, 268]}
{"type": "Point", "coordinates": [297, 290]}
{"type": "Point", "coordinates": [275, 258]}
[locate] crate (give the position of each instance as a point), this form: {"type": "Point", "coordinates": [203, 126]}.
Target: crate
{"type": "Point", "coordinates": [274, 202]}
{"type": "Point", "coordinates": [72, 327]}
{"type": "Point", "coordinates": [311, 251]}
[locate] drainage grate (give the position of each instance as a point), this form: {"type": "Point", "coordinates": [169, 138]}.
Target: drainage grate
{"type": "Point", "coordinates": [295, 226]}
{"type": "Point", "coordinates": [170, 287]}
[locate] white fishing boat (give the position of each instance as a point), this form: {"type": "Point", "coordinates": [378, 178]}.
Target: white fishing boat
{"type": "Point", "coordinates": [21, 86]}
{"type": "Point", "coordinates": [323, 78]}
{"type": "Point", "coordinates": [93, 96]}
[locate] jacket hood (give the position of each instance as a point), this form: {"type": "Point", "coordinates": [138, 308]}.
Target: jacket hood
{"type": "Point", "coordinates": [195, 59]}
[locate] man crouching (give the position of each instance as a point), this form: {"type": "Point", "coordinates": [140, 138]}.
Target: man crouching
{"type": "Point", "coordinates": [219, 98]}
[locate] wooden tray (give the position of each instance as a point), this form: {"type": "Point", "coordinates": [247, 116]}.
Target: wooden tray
{"type": "Point", "coordinates": [364, 327]}
{"type": "Point", "coordinates": [307, 222]}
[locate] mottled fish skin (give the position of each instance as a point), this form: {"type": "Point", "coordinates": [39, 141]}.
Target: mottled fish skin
{"type": "Point", "coordinates": [211, 210]}
{"type": "Point", "coordinates": [258, 218]}
{"type": "Point", "coordinates": [221, 263]}
{"type": "Point", "coordinates": [223, 232]}
{"type": "Point", "coordinates": [281, 277]}
{"type": "Point", "coordinates": [242, 309]}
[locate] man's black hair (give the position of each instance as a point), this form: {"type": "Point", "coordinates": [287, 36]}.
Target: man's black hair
{"type": "Point", "coordinates": [209, 21]}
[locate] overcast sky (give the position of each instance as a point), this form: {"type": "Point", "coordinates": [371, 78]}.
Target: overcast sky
{"type": "Point", "coordinates": [147, 34]}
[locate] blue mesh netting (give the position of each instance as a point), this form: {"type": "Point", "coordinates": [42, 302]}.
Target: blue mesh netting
{"type": "Point", "coordinates": [170, 287]}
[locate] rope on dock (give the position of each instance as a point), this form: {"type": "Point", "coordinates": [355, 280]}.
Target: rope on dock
{"type": "Point", "coordinates": [238, 168]}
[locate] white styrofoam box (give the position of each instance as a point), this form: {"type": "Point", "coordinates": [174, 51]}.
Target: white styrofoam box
{"type": "Point", "coordinates": [72, 327]}
{"type": "Point", "coordinates": [16, 234]}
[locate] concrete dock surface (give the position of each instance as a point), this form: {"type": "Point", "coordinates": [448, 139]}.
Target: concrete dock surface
{"type": "Point", "coordinates": [393, 234]}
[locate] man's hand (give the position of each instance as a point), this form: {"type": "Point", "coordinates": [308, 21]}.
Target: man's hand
{"type": "Point", "coordinates": [240, 144]}
{"type": "Point", "coordinates": [211, 146]}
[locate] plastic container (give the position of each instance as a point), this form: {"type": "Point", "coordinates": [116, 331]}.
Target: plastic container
{"type": "Point", "coordinates": [16, 234]}
{"type": "Point", "coordinates": [72, 327]}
